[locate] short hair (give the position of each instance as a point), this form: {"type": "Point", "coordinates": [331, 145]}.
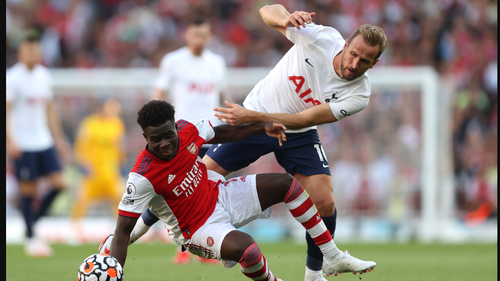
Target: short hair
{"type": "Point", "coordinates": [197, 21]}
{"type": "Point", "coordinates": [31, 36]}
{"type": "Point", "coordinates": [155, 113]}
{"type": "Point", "coordinates": [373, 36]}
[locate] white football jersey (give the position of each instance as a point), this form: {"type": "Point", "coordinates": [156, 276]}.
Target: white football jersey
{"type": "Point", "coordinates": [28, 92]}
{"type": "Point", "coordinates": [194, 82]}
{"type": "Point", "coordinates": [305, 77]}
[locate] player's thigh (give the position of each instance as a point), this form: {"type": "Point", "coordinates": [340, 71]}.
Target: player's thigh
{"type": "Point", "coordinates": [50, 167]}
{"type": "Point", "coordinates": [239, 154]}
{"type": "Point", "coordinates": [93, 187]}
{"type": "Point", "coordinates": [304, 154]}
{"type": "Point", "coordinates": [272, 188]}
{"type": "Point", "coordinates": [26, 168]}
{"type": "Point", "coordinates": [241, 200]}
{"type": "Point", "coordinates": [234, 245]}
{"type": "Point", "coordinates": [206, 242]}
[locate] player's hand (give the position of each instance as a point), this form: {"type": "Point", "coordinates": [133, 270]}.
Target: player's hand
{"type": "Point", "coordinates": [64, 150]}
{"type": "Point", "coordinates": [235, 115]}
{"type": "Point", "coordinates": [276, 130]}
{"type": "Point", "coordinates": [299, 18]}
{"type": "Point", "coordinates": [12, 151]}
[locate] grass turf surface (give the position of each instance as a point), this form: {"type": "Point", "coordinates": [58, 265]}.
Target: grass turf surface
{"type": "Point", "coordinates": [396, 262]}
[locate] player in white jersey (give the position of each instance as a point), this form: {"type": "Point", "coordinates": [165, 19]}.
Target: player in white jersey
{"type": "Point", "coordinates": [33, 132]}
{"type": "Point", "coordinates": [193, 79]}
{"type": "Point", "coordinates": [200, 208]}
{"type": "Point", "coordinates": [321, 79]}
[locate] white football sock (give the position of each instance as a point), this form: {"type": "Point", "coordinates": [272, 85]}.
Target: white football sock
{"type": "Point", "coordinates": [139, 230]}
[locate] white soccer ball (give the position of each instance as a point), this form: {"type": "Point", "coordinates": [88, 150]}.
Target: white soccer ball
{"type": "Point", "coordinates": [100, 267]}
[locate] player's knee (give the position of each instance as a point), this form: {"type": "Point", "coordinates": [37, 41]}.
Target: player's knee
{"type": "Point", "coordinates": [28, 188]}
{"type": "Point", "coordinates": [286, 179]}
{"type": "Point", "coordinates": [284, 183]}
{"type": "Point", "coordinates": [57, 181]}
{"type": "Point", "coordinates": [235, 244]}
{"type": "Point", "coordinates": [61, 187]}
{"type": "Point", "coordinates": [325, 207]}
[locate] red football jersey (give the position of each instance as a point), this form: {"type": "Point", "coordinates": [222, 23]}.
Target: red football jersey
{"type": "Point", "coordinates": [177, 191]}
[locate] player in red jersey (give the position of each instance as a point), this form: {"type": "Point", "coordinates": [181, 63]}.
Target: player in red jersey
{"type": "Point", "coordinates": [202, 210]}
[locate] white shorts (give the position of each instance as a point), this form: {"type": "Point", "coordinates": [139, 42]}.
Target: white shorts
{"type": "Point", "coordinates": [237, 205]}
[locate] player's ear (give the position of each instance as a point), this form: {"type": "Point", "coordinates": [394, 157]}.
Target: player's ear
{"type": "Point", "coordinates": [374, 63]}
{"type": "Point", "coordinates": [144, 135]}
{"type": "Point", "coordinates": [346, 44]}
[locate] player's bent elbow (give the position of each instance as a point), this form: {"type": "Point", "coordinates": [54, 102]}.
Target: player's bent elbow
{"type": "Point", "coordinates": [263, 9]}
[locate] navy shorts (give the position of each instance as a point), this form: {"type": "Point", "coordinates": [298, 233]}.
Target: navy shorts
{"type": "Point", "coordinates": [203, 149]}
{"type": "Point", "coordinates": [302, 153]}
{"type": "Point", "coordinates": [34, 164]}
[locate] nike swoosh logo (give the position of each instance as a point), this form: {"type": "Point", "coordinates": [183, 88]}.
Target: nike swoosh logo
{"type": "Point", "coordinates": [307, 61]}
{"type": "Point", "coordinates": [106, 250]}
{"type": "Point", "coordinates": [324, 166]}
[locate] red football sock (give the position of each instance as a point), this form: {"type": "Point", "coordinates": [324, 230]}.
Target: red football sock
{"type": "Point", "coordinates": [254, 265]}
{"type": "Point", "coordinates": [303, 210]}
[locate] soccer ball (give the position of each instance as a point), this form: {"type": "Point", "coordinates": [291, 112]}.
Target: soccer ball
{"type": "Point", "coordinates": [100, 267]}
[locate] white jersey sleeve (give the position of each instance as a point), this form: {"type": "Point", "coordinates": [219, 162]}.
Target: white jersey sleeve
{"type": "Point", "coordinates": [205, 129]}
{"type": "Point", "coordinates": [311, 33]}
{"type": "Point", "coordinates": [165, 76]}
{"type": "Point", "coordinates": [138, 194]}
{"type": "Point", "coordinates": [49, 90]}
{"type": "Point", "coordinates": [223, 81]}
{"type": "Point", "coordinates": [10, 93]}
{"type": "Point", "coordinates": [348, 106]}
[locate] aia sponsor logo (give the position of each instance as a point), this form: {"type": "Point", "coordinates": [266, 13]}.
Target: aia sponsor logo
{"type": "Point", "coordinates": [193, 148]}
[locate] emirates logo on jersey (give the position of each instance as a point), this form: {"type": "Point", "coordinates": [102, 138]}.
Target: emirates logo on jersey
{"type": "Point", "coordinates": [193, 148]}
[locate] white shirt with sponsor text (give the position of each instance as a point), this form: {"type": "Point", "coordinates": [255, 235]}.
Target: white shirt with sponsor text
{"type": "Point", "coordinates": [305, 77]}
{"type": "Point", "coordinates": [194, 82]}
{"type": "Point", "coordinates": [28, 92]}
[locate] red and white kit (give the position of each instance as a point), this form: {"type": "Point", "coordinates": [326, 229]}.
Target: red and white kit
{"type": "Point", "coordinates": [198, 207]}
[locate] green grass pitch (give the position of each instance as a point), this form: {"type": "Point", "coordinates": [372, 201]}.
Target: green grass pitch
{"type": "Point", "coordinates": [396, 262]}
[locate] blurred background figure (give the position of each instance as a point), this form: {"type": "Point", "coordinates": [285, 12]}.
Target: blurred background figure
{"type": "Point", "coordinates": [193, 79]}
{"type": "Point", "coordinates": [33, 132]}
{"type": "Point", "coordinates": [100, 155]}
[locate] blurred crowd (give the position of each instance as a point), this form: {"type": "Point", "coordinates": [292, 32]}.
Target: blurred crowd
{"type": "Point", "coordinates": [456, 37]}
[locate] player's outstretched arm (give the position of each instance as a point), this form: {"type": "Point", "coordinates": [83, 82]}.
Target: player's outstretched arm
{"type": "Point", "coordinates": [228, 133]}
{"type": "Point", "coordinates": [119, 245]}
{"type": "Point", "coordinates": [236, 115]}
{"type": "Point", "coordinates": [277, 17]}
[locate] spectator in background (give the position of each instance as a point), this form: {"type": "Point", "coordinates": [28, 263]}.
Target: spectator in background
{"type": "Point", "coordinates": [194, 80]}
{"type": "Point", "coordinates": [33, 132]}
{"type": "Point", "coordinates": [100, 154]}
